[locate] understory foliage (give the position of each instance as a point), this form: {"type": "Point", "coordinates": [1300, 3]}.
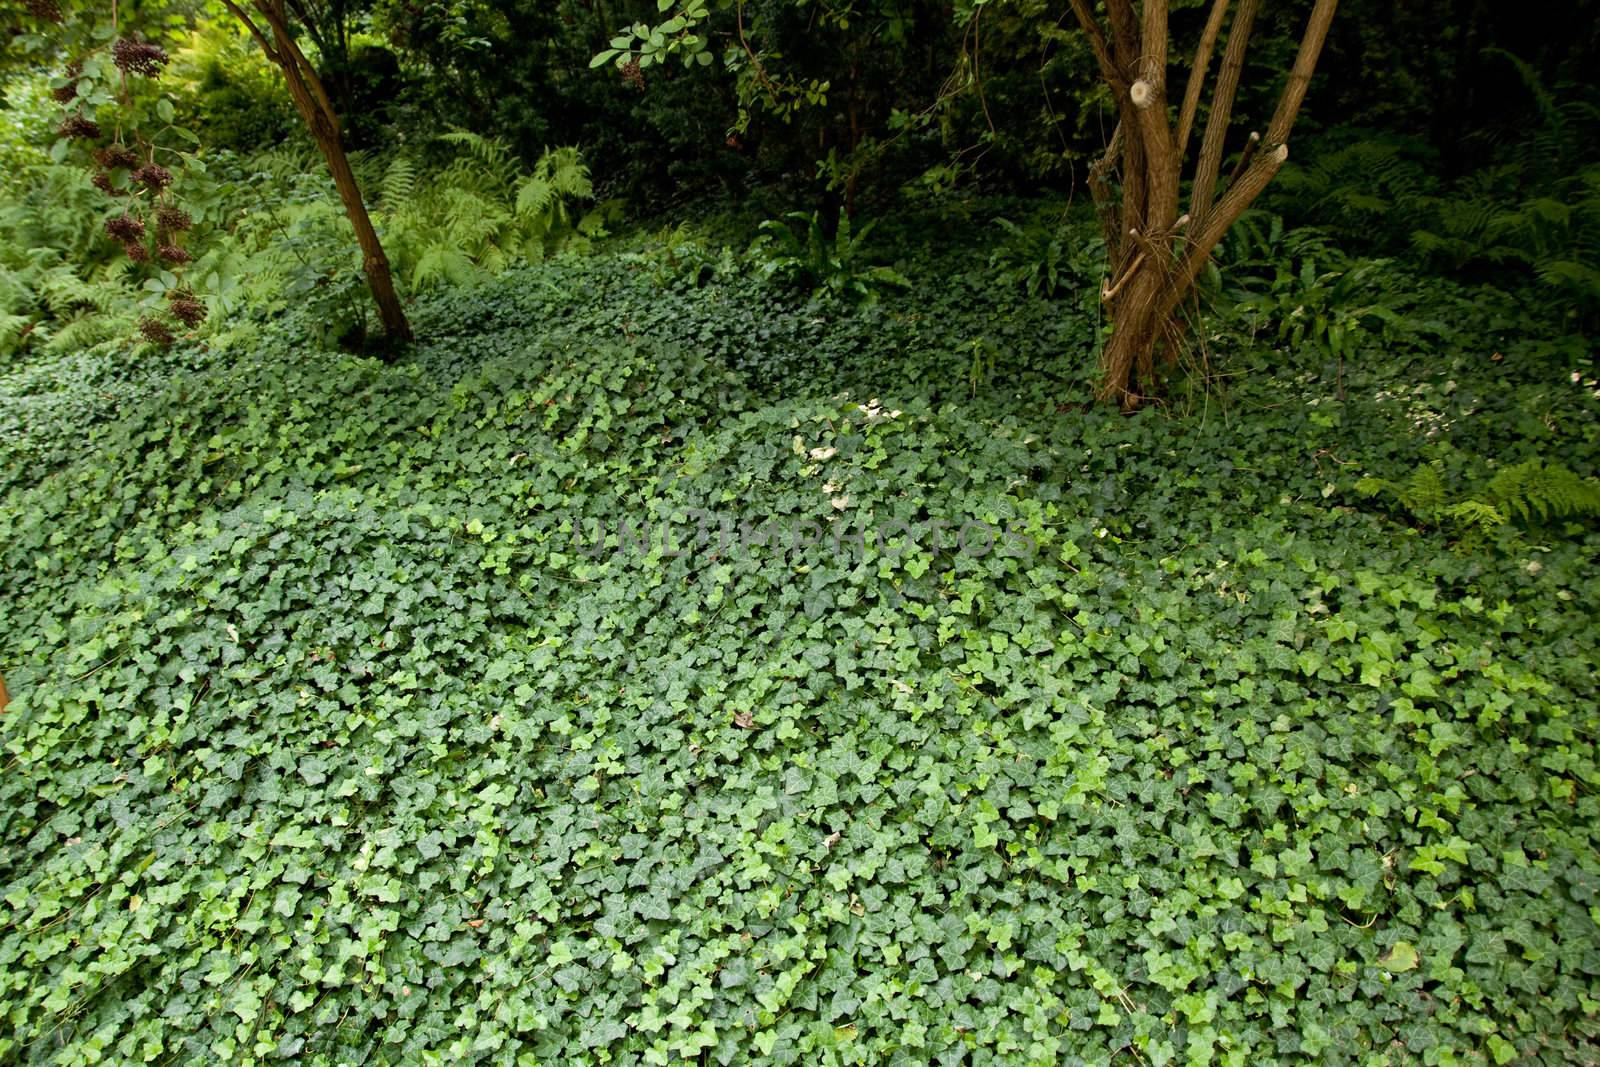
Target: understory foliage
{"type": "Point", "coordinates": [483, 211]}
{"type": "Point", "coordinates": [338, 735]}
{"type": "Point", "coordinates": [1530, 216]}
{"type": "Point", "coordinates": [1529, 492]}
{"type": "Point", "coordinates": [60, 289]}
{"type": "Point", "coordinates": [276, 236]}
{"type": "Point", "coordinates": [799, 251]}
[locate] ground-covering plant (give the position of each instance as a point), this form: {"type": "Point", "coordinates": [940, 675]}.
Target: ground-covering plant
{"type": "Point", "coordinates": [798, 250]}
{"type": "Point", "coordinates": [338, 736]}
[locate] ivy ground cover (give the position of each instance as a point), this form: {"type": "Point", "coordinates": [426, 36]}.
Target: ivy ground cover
{"type": "Point", "coordinates": [338, 738]}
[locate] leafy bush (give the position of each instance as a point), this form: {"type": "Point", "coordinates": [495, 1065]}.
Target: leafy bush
{"type": "Point", "coordinates": [59, 290]}
{"type": "Point", "coordinates": [1531, 215]}
{"type": "Point", "coordinates": [821, 264]}
{"type": "Point", "coordinates": [1041, 260]}
{"type": "Point", "coordinates": [1301, 290]}
{"type": "Point", "coordinates": [228, 89]}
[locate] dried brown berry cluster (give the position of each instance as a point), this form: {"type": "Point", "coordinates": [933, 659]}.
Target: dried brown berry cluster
{"type": "Point", "coordinates": [116, 155]}
{"type": "Point", "coordinates": [153, 176]}
{"type": "Point", "coordinates": [632, 74]}
{"type": "Point", "coordinates": [48, 10]}
{"type": "Point", "coordinates": [79, 127]}
{"type": "Point", "coordinates": [65, 94]}
{"type": "Point", "coordinates": [135, 251]}
{"type": "Point", "coordinates": [173, 254]}
{"type": "Point", "coordinates": [133, 56]}
{"type": "Point", "coordinates": [173, 219]}
{"type": "Point", "coordinates": [186, 309]}
{"type": "Point", "coordinates": [125, 227]}
{"type": "Point", "coordinates": [102, 181]}
{"type": "Point", "coordinates": [155, 331]}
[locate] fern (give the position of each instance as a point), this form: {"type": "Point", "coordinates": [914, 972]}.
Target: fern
{"type": "Point", "coordinates": [1534, 491]}
{"type": "Point", "coordinates": [481, 214]}
{"type": "Point", "coordinates": [399, 183]}
{"type": "Point", "coordinates": [1529, 493]}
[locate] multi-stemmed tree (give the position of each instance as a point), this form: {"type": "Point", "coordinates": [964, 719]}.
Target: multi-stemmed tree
{"type": "Point", "coordinates": [1155, 249]}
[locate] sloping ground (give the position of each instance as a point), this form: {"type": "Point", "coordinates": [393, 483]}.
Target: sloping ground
{"type": "Point", "coordinates": [337, 741]}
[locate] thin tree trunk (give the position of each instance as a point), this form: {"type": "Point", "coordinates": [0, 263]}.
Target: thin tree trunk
{"type": "Point", "coordinates": [5, 698]}
{"type": "Point", "coordinates": [311, 100]}
{"type": "Point", "coordinates": [1197, 74]}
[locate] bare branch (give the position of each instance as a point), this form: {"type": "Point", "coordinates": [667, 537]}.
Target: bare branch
{"type": "Point", "coordinates": [295, 65]}
{"type": "Point", "coordinates": [1240, 195]}
{"type": "Point", "coordinates": [1197, 75]}
{"type": "Point", "coordinates": [1161, 166]}
{"type": "Point", "coordinates": [1100, 189]}
{"type": "Point", "coordinates": [1305, 64]}
{"type": "Point", "coordinates": [1245, 157]}
{"type": "Point", "coordinates": [255, 31]}
{"type": "Point", "coordinates": [1125, 32]}
{"type": "Point", "coordinates": [1109, 293]}
{"type": "Point", "coordinates": [1097, 42]}
{"type": "Point", "coordinates": [1211, 144]}
{"type": "Point", "coordinates": [1153, 46]}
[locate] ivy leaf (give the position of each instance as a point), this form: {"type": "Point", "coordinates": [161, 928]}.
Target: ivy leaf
{"type": "Point", "coordinates": [1401, 957]}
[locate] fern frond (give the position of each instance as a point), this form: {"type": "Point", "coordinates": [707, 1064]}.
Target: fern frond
{"type": "Point", "coordinates": [399, 183]}
{"type": "Point", "coordinates": [1535, 491]}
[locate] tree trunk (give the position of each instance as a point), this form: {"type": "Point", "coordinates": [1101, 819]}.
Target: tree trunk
{"type": "Point", "coordinates": [1153, 254]}
{"type": "Point", "coordinates": [311, 100]}
{"type": "Point", "coordinates": [5, 698]}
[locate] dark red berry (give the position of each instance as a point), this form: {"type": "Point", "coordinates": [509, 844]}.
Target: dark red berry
{"type": "Point", "coordinates": [116, 155]}
{"type": "Point", "coordinates": [125, 228]}
{"type": "Point", "coordinates": [79, 127]}
{"type": "Point", "coordinates": [155, 331]}
{"type": "Point", "coordinates": [173, 219]}
{"type": "Point", "coordinates": [153, 176]}
{"type": "Point", "coordinates": [48, 10]}
{"type": "Point", "coordinates": [187, 310]}
{"type": "Point", "coordinates": [133, 56]}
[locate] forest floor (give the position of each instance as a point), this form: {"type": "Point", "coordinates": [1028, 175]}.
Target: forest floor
{"type": "Point", "coordinates": [940, 716]}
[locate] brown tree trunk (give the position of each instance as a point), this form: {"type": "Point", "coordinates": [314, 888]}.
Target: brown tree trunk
{"type": "Point", "coordinates": [1153, 254]}
{"type": "Point", "coordinates": [5, 698]}
{"type": "Point", "coordinates": [311, 100]}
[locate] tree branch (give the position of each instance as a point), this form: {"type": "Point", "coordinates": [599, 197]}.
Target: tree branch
{"type": "Point", "coordinates": [1240, 195]}
{"type": "Point", "coordinates": [1161, 167]}
{"type": "Point", "coordinates": [1153, 46]}
{"type": "Point", "coordinates": [1097, 43]}
{"type": "Point", "coordinates": [1197, 75]}
{"type": "Point", "coordinates": [1211, 143]}
{"type": "Point", "coordinates": [255, 31]}
{"type": "Point", "coordinates": [1305, 64]}
{"type": "Point", "coordinates": [298, 66]}
{"type": "Point", "coordinates": [1125, 33]}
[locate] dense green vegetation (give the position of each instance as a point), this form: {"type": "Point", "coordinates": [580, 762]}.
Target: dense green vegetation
{"type": "Point", "coordinates": [733, 631]}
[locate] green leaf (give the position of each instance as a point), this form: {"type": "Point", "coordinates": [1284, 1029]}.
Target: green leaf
{"type": "Point", "coordinates": [1401, 957]}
